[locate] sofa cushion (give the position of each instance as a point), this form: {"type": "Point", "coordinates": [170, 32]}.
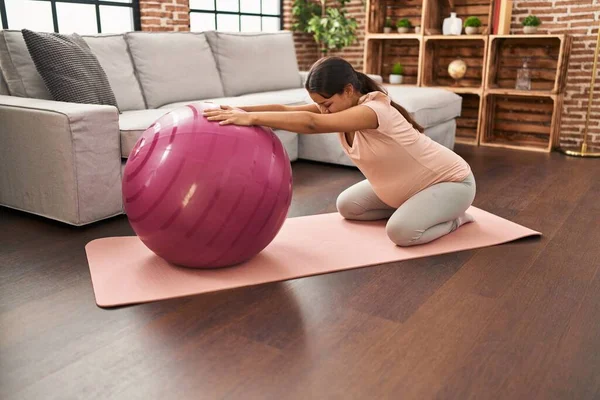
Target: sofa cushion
{"type": "Point", "coordinates": [113, 55]}
{"type": "Point", "coordinates": [3, 87]}
{"type": "Point", "coordinates": [175, 66]}
{"type": "Point", "coordinates": [429, 106]}
{"type": "Point", "coordinates": [133, 123]}
{"type": "Point", "coordinates": [290, 143]}
{"type": "Point", "coordinates": [22, 78]}
{"type": "Point", "coordinates": [255, 62]}
{"type": "Point", "coordinates": [69, 69]}
{"type": "Point", "coordinates": [287, 97]}
{"type": "Point", "coordinates": [323, 148]}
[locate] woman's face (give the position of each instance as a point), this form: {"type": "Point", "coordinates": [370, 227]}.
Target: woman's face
{"type": "Point", "coordinates": [336, 103]}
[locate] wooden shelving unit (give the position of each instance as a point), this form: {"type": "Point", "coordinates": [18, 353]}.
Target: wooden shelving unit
{"type": "Point", "coordinates": [469, 123]}
{"type": "Point", "coordinates": [516, 121]}
{"type": "Point", "coordinates": [437, 10]}
{"type": "Point", "coordinates": [382, 53]}
{"type": "Point", "coordinates": [546, 55]}
{"type": "Point", "coordinates": [441, 51]}
{"type": "Point", "coordinates": [494, 113]}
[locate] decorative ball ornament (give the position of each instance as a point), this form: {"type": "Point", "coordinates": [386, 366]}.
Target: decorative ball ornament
{"type": "Point", "coordinates": [457, 69]}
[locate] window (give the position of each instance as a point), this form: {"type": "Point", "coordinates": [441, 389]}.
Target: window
{"type": "Point", "coordinates": [235, 15]}
{"type": "Point", "coordinates": [67, 16]}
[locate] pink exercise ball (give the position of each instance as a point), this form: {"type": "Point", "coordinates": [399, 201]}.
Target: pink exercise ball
{"type": "Point", "coordinates": [204, 195]}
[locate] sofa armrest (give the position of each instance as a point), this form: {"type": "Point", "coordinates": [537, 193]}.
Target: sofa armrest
{"type": "Point", "coordinates": [376, 78]}
{"type": "Point", "coordinates": [60, 160]}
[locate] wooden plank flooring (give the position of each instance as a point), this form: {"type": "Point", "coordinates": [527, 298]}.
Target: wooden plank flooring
{"type": "Point", "coordinates": [517, 321]}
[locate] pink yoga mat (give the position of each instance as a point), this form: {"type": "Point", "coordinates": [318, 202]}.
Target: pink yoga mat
{"type": "Point", "coordinates": [125, 272]}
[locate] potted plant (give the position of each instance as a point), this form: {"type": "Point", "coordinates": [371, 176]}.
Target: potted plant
{"type": "Point", "coordinates": [472, 25]}
{"type": "Point", "coordinates": [403, 25]}
{"type": "Point", "coordinates": [531, 23]}
{"type": "Point", "coordinates": [396, 75]}
{"type": "Point", "coordinates": [328, 23]}
{"type": "Point", "coordinates": [387, 28]}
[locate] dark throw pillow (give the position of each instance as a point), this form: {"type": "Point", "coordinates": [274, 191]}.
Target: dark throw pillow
{"type": "Point", "coordinates": [69, 69]}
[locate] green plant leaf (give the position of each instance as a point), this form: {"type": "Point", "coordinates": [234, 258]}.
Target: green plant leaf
{"type": "Point", "coordinates": [531, 20]}
{"type": "Point", "coordinates": [473, 22]}
{"type": "Point", "coordinates": [397, 69]}
{"type": "Point", "coordinates": [404, 23]}
{"type": "Point", "coordinates": [333, 30]}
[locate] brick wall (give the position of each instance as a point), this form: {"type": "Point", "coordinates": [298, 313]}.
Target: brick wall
{"type": "Point", "coordinates": [579, 18]}
{"type": "Point", "coordinates": [307, 50]}
{"type": "Point", "coordinates": [355, 54]}
{"type": "Point", "coordinates": [165, 15]}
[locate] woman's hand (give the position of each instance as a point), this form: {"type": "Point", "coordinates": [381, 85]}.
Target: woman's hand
{"type": "Point", "coordinates": [228, 108]}
{"type": "Point", "coordinates": [227, 115]}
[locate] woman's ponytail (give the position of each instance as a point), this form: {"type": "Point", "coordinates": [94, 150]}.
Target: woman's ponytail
{"type": "Point", "coordinates": [368, 85]}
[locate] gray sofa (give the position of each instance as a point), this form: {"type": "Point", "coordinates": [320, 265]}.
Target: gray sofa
{"type": "Point", "coordinates": [64, 160]}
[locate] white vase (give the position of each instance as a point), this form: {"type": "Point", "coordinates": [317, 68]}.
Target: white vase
{"type": "Point", "coordinates": [530, 29]}
{"type": "Point", "coordinates": [417, 29]}
{"type": "Point", "coordinates": [452, 25]}
{"type": "Point", "coordinates": [387, 30]}
{"type": "Point", "coordinates": [395, 79]}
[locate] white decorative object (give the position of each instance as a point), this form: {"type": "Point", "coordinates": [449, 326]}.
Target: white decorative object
{"type": "Point", "coordinates": [417, 29]}
{"type": "Point", "coordinates": [403, 30]}
{"type": "Point", "coordinates": [471, 30]}
{"type": "Point", "coordinates": [387, 29]}
{"type": "Point", "coordinates": [395, 79]}
{"type": "Point", "coordinates": [530, 29]}
{"type": "Point", "coordinates": [452, 25]}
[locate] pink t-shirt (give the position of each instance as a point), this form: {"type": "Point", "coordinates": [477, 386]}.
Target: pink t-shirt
{"type": "Point", "coordinates": [398, 160]}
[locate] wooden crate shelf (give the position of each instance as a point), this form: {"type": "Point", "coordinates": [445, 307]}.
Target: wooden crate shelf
{"type": "Point", "coordinates": [394, 36]}
{"type": "Point", "coordinates": [378, 11]}
{"type": "Point", "coordinates": [494, 112]}
{"type": "Point", "coordinates": [439, 53]}
{"type": "Point", "coordinates": [437, 10]}
{"type": "Point", "coordinates": [546, 55]}
{"type": "Point", "coordinates": [521, 122]}
{"type": "Point", "coordinates": [461, 89]}
{"type": "Point", "coordinates": [383, 53]}
{"type": "Point", "coordinates": [453, 37]}
{"type": "Point", "coordinates": [514, 92]}
{"type": "Point", "coordinates": [467, 125]}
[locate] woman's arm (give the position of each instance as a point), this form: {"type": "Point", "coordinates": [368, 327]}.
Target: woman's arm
{"type": "Point", "coordinates": [353, 119]}
{"type": "Point", "coordinates": [313, 108]}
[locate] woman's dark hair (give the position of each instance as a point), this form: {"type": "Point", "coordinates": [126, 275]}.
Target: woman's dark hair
{"type": "Point", "coordinates": [330, 75]}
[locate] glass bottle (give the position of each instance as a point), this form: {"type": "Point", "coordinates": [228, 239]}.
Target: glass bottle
{"type": "Point", "coordinates": [523, 76]}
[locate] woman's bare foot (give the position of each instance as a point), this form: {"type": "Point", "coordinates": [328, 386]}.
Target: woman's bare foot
{"type": "Point", "coordinates": [465, 218]}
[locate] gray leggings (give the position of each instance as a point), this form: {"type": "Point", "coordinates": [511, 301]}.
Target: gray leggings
{"type": "Point", "coordinates": [428, 215]}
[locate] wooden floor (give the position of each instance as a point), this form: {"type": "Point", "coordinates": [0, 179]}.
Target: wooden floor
{"type": "Point", "coordinates": [516, 321]}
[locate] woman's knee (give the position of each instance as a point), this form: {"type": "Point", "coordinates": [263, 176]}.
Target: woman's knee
{"type": "Point", "coordinates": [402, 235]}
{"type": "Point", "coordinates": [347, 207]}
